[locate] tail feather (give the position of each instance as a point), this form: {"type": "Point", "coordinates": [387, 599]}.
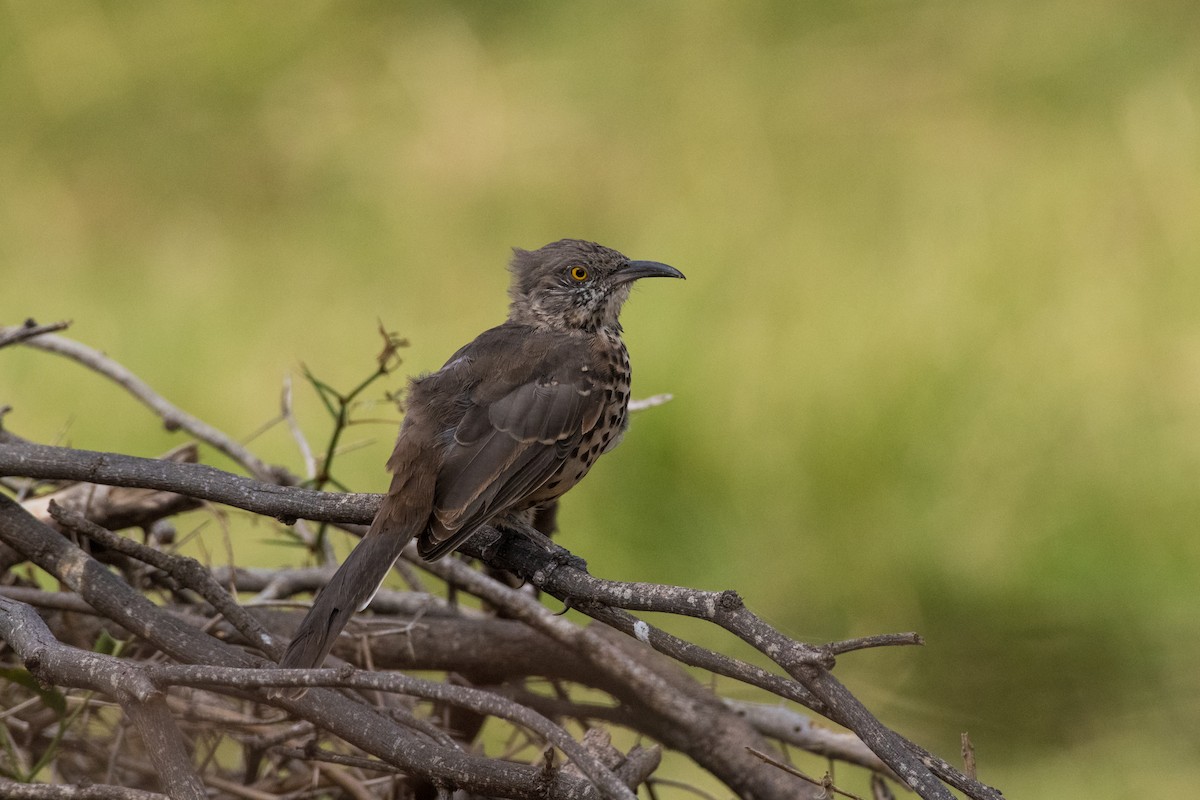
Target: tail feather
{"type": "Point", "coordinates": [351, 589]}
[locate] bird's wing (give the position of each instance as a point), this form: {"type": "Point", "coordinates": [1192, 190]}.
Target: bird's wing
{"type": "Point", "coordinates": [504, 449]}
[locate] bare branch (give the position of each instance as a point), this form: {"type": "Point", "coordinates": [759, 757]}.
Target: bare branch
{"type": "Point", "coordinates": [968, 755]}
{"type": "Point", "coordinates": [94, 791]}
{"type": "Point", "coordinates": [16, 334]}
{"type": "Point", "coordinates": [878, 640]}
{"type": "Point", "coordinates": [826, 783]}
{"type": "Point", "coordinates": [285, 503]}
{"type": "Point", "coordinates": [288, 412]}
{"type": "Point", "coordinates": [38, 598]}
{"type": "Point", "coordinates": [785, 725]}
{"type": "Point", "coordinates": [173, 417]}
{"type": "Point", "coordinates": [642, 403]}
{"type": "Point", "coordinates": [120, 507]}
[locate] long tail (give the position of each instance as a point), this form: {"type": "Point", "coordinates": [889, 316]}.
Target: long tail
{"type": "Point", "coordinates": [350, 589]}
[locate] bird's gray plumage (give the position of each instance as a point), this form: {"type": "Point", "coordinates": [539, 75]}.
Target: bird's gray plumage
{"type": "Point", "coordinates": [511, 421]}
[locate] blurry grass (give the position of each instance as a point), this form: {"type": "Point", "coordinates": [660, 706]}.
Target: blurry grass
{"type": "Point", "coordinates": [936, 362]}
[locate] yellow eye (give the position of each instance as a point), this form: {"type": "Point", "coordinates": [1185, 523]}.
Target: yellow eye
{"type": "Point", "coordinates": [579, 274]}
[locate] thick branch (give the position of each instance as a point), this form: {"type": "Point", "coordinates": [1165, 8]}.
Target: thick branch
{"type": "Point", "coordinates": [286, 503]}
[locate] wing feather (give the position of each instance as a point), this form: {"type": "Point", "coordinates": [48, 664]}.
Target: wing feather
{"type": "Point", "coordinates": [504, 450]}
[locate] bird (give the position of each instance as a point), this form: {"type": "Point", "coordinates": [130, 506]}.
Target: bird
{"type": "Point", "coordinates": [512, 421]}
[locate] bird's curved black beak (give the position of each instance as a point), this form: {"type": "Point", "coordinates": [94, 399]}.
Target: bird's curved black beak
{"type": "Point", "coordinates": [644, 269]}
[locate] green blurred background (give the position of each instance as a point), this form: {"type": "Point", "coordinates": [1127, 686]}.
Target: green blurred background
{"type": "Point", "coordinates": [936, 364]}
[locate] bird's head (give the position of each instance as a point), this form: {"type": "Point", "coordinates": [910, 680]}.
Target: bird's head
{"type": "Point", "coordinates": [575, 284]}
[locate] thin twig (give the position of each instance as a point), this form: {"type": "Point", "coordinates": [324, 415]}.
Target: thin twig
{"type": "Point", "coordinates": [878, 640]}
{"type": "Point", "coordinates": [825, 783]}
{"type": "Point", "coordinates": [289, 416]}
{"type": "Point", "coordinates": [338, 758]}
{"type": "Point", "coordinates": [798, 730]}
{"type": "Point", "coordinates": [15, 334]}
{"type": "Point", "coordinates": [642, 403]}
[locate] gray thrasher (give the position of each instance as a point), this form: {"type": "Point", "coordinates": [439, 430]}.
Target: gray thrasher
{"type": "Point", "coordinates": [511, 422]}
